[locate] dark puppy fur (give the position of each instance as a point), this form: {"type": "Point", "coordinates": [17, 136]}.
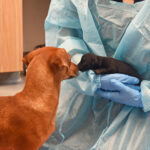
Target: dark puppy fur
{"type": "Point", "coordinates": [106, 65]}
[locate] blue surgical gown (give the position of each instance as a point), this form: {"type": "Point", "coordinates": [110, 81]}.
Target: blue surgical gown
{"type": "Point", "coordinates": [84, 120]}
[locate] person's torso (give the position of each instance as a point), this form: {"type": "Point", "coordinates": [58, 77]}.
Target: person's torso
{"type": "Point", "coordinates": [112, 19]}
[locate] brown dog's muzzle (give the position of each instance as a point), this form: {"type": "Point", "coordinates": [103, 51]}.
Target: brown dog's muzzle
{"type": "Point", "coordinates": [72, 72]}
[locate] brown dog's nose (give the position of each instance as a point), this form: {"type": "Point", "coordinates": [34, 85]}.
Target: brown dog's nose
{"type": "Point", "coordinates": [72, 72]}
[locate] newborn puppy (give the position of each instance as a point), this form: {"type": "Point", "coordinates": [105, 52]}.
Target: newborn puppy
{"type": "Point", "coordinates": [106, 65]}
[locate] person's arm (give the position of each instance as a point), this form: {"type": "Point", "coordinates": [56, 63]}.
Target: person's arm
{"type": "Point", "coordinates": [134, 48]}
{"type": "Point", "coordinates": [63, 29]}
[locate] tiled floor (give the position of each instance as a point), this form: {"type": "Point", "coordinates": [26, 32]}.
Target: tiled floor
{"type": "Point", "coordinates": [8, 90]}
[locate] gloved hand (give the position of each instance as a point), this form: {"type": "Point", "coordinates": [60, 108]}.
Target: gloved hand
{"type": "Point", "coordinates": [120, 88]}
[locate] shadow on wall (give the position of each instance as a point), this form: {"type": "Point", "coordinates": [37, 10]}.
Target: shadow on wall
{"type": "Point", "coordinates": [34, 14]}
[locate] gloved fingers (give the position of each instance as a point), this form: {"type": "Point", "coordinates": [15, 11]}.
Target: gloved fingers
{"type": "Point", "coordinates": [112, 85]}
{"type": "Point", "coordinates": [117, 85]}
{"type": "Point", "coordinates": [107, 94]}
{"type": "Point", "coordinates": [111, 76]}
{"type": "Point", "coordinates": [118, 98]}
{"type": "Point", "coordinates": [130, 80]}
{"type": "Point", "coordinates": [122, 88]}
{"type": "Point", "coordinates": [122, 94]}
{"type": "Point", "coordinates": [121, 77]}
{"type": "Point", "coordinates": [135, 87]}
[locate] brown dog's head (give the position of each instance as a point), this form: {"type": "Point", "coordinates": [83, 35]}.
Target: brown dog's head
{"type": "Point", "coordinates": [57, 59]}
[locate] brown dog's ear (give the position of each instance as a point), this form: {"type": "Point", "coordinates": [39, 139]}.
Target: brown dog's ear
{"type": "Point", "coordinates": [59, 63]}
{"type": "Point", "coordinates": [27, 58]}
{"type": "Point", "coordinates": [25, 61]}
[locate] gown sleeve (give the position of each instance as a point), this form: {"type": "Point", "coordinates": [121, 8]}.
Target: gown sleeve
{"type": "Point", "coordinates": [63, 29]}
{"type": "Point", "coordinates": [134, 49]}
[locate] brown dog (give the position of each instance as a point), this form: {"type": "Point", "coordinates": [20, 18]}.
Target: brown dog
{"type": "Point", "coordinates": [28, 118]}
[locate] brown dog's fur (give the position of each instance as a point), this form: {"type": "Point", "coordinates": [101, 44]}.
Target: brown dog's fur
{"type": "Point", "coordinates": [27, 52]}
{"type": "Point", "coordinates": [28, 118]}
{"type": "Point", "coordinates": [106, 65]}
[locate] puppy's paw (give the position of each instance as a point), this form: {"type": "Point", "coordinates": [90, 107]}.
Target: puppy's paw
{"type": "Point", "coordinates": [98, 71]}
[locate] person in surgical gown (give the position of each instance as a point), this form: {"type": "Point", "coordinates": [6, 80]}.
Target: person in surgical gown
{"type": "Point", "coordinates": [88, 119]}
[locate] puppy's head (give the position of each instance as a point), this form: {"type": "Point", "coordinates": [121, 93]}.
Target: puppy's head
{"type": "Point", "coordinates": [88, 61]}
{"type": "Point", "coordinates": [57, 59]}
